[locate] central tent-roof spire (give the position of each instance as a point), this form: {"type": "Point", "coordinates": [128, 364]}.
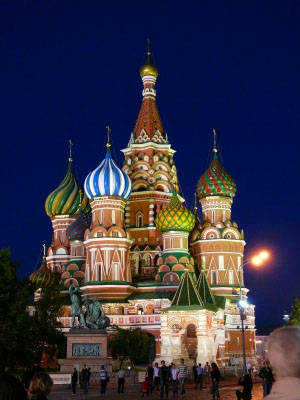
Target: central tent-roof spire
{"type": "Point", "coordinates": [148, 127]}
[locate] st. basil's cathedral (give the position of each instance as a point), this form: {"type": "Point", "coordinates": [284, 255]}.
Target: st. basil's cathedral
{"type": "Point", "coordinates": [128, 239]}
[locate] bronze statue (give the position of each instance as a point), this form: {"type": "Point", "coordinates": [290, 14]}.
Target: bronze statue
{"type": "Point", "coordinates": [76, 307]}
{"type": "Point", "coordinates": [95, 317]}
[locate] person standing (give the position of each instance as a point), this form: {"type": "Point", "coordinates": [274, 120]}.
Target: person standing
{"type": "Point", "coordinates": [74, 381]}
{"type": "Point", "coordinates": [182, 374]}
{"type": "Point", "coordinates": [156, 376]}
{"type": "Point", "coordinates": [164, 376]}
{"type": "Point", "coordinates": [199, 380]}
{"type": "Point", "coordinates": [266, 374]}
{"type": "Point", "coordinates": [195, 372]}
{"type": "Point", "coordinates": [246, 382]}
{"type": "Point", "coordinates": [207, 373]}
{"type": "Point", "coordinates": [215, 378]}
{"type": "Point", "coordinates": [150, 376]}
{"type": "Point", "coordinates": [85, 379]}
{"type": "Point", "coordinates": [121, 380]}
{"type": "Point", "coordinates": [174, 379]}
{"type": "Point", "coordinates": [103, 379]}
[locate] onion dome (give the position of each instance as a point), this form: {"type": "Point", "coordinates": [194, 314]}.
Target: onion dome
{"type": "Point", "coordinates": [148, 69]}
{"type": "Point", "coordinates": [216, 181]}
{"type": "Point", "coordinates": [43, 277]}
{"type": "Point", "coordinates": [65, 199]}
{"type": "Point", "coordinates": [175, 217]}
{"type": "Point", "coordinates": [76, 229]}
{"type": "Point", "coordinates": [107, 179]}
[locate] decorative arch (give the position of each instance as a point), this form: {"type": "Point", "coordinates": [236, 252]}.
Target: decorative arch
{"type": "Point", "coordinates": [171, 260]}
{"type": "Point", "coordinates": [139, 184]}
{"type": "Point", "coordinates": [116, 229]}
{"type": "Point", "coordinates": [161, 166]}
{"type": "Point", "coordinates": [211, 233]}
{"type": "Point", "coordinates": [178, 267]}
{"type": "Point", "coordinates": [230, 233]}
{"type": "Point", "coordinates": [171, 277]}
{"type": "Point", "coordinates": [163, 268]}
{"type": "Point", "coordinates": [162, 186]}
{"type": "Point", "coordinates": [147, 259]}
{"type": "Point", "coordinates": [60, 250]}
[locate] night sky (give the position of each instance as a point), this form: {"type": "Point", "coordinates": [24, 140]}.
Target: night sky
{"type": "Point", "coordinates": [69, 68]}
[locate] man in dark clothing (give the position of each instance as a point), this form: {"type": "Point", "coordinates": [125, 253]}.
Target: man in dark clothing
{"type": "Point", "coordinates": [85, 379]}
{"type": "Point", "coordinates": [195, 372]}
{"type": "Point", "coordinates": [150, 377]}
{"type": "Point", "coordinates": [164, 375]}
{"type": "Point", "coordinates": [74, 380]}
{"type": "Point", "coordinates": [246, 382]}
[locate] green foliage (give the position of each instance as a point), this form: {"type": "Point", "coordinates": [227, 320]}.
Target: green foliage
{"type": "Point", "coordinates": [295, 314]}
{"type": "Point", "coordinates": [26, 332]}
{"type": "Point", "coordinates": [130, 343]}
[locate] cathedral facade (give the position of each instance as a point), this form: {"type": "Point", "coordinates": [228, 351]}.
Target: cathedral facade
{"type": "Point", "coordinates": [128, 239]}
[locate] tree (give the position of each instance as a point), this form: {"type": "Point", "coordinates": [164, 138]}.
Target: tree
{"type": "Point", "coordinates": [130, 343]}
{"type": "Point", "coordinates": [25, 334]}
{"type": "Point", "coordinates": [294, 318]}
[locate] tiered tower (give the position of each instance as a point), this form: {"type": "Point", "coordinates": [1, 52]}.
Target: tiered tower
{"type": "Point", "coordinates": [175, 222]}
{"type": "Point", "coordinates": [62, 206]}
{"type": "Point", "coordinates": [107, 272]}
{"type": "Point", "coordinates": [150, 165]}
{"type": "Point", "coordinates": [218, 247]}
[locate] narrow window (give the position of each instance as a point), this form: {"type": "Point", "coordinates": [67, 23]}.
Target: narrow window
{"type": "Point", "coordinates": [230, 277]}
{"type": "Point", "coordinates": [214, 277]}
{"type": "Point", "coordinates": [113, 217]}
{"type": "Point", "coordinates": [115, 234]}
{"type": "Point", "coordinates": [101, 217]}
{"type": "Point", "coordinates": [213, 216]}
{"type": "Point", "coordinates": [221, 262]}
{"type": "Point", "coordinates": [139, 221]}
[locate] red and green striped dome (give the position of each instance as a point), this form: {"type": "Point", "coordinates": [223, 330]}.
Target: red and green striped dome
{"type": "Point", "coordinates": [216, 181]}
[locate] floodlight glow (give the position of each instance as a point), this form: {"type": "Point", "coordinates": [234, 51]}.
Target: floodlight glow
{"type": "Point", "coordinates": [264, 255]}
{"type": "Point", "coordinates": [256, 260]}
{"type": "Point", "coordinates": [243, 303]}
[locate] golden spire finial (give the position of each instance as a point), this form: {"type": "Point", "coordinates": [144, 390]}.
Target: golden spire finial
{"type": "Point", "coordinates": [148, 51]}
{"type": "Point", "coordinates": [195, 203]}
{"type": "Point", "coordinates": [215, 150]}
{"type": "Point", "coordinates": [70, 150]}
{"type": "Point", "coordinates": [44, 251]}
{"type": "Point", "coordinates": [108, 144]}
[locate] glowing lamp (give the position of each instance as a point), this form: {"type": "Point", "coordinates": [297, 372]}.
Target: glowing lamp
{"type": "Point", "coordinates": [243, 304]}
{"type": "Point", "coordinates": [257, 260]}
{"type": "Point", "coordinates": [264, 255]}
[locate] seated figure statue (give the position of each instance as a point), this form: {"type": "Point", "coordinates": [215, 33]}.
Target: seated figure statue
{"type": "Point", "coordinates": [95, 317]}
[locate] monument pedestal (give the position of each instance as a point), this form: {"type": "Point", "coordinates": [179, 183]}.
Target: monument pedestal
{"type": "Point", "coordinates": [85, 346]}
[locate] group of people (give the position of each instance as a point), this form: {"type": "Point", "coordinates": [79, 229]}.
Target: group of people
{"type": "Point", "coordinates": [161, 378]}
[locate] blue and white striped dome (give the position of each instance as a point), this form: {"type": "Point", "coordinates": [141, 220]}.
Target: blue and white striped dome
{"type": "Point", "coordinates": [107, 180]}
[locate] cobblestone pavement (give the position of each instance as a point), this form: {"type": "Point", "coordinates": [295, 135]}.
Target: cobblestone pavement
{"type": "Point", "coordinates": [133, 393]}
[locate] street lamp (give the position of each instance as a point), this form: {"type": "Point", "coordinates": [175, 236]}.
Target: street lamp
{"type": "Point", "coordinates": [256, 260]}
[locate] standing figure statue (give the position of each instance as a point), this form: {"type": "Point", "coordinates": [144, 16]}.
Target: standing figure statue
{"type": "Point", "coordinates": [95, 317]}
{"type": "Point", "coordinates": [76, 307]}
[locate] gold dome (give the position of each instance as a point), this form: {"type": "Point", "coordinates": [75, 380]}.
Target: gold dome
{"type": "Point", "coordinates": [149, 69]}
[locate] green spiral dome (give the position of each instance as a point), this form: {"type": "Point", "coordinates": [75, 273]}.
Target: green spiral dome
{"type": "Point", "coordinates": [65, 199]}
{"type": "Point", "coordinates": [43, 277]}
{"type": "Point", "coordinates": [175, 217]}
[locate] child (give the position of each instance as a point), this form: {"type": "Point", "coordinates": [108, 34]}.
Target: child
{"type": "Point", "coordinates": [145, 387]}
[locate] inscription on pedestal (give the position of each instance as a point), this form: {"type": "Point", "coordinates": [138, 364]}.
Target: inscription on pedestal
{"type": "Point", "coordinates": [86, 350]}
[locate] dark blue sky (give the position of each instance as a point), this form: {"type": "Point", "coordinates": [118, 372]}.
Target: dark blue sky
{"type": "Point", "coordinates": [68, 68]}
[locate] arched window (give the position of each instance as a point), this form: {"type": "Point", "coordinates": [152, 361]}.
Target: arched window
{"type": "Point", "coordinates": [139, 219]}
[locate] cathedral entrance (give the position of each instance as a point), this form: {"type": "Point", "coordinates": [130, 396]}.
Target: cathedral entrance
{"type": "Point", "coordinates": [190, 341]}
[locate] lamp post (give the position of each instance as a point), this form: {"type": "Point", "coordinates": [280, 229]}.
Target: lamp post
{"type": "Point", "coordinates": [242, 304]}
